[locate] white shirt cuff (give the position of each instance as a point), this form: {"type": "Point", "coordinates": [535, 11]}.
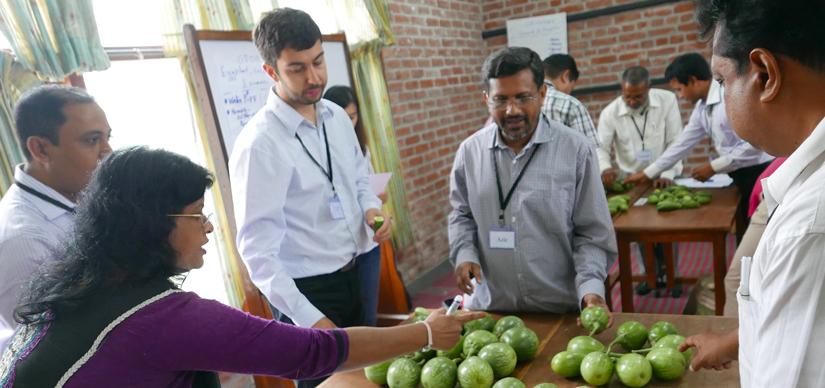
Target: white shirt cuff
{"type": "Point", "coordinates": [466, 255]}
{"type": "Point", "coordinates": [653, 171]}
{"type": "Point", "coordinates": [308, 318]}
{"type": "Point", "coordinates": [720, 163]}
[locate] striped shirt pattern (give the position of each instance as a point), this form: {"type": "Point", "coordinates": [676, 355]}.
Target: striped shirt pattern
{"type": "Point", "coordinates": [569, 111]}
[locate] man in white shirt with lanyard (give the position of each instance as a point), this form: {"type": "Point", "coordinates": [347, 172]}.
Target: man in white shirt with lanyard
{"type": "Point", "coordinates": [63, 134]}
{"type": "Point", "coordinates": [642, 123]}
{"type": "Point", "coordinates": [303, 204]}
{"type": "Point", "coordinates": [771, 58]}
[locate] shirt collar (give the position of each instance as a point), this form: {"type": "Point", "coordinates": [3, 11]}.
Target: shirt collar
{"type": "Point", "coordinates": [542, 135]}
{"type": "Point", "coordinates": [776, 187]}
{"type": "Point", "coordinates": [549, 85]}
{"type": "Point", "coordinates": [290, 117]}
{"type": "Point", "coordinates": [49, 210]}
{"type": "Point", "coordinates": [714, 93]}
{"type": "Point", "coordinates": [653, 103]}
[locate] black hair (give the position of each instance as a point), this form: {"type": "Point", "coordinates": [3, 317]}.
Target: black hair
{"type": "Point", "coordinates": [281, 29]}
{"type": "Point", "coordinates": [636, 75]}
{"type": "Point", "coordinates": [39, 112]}
{"type": "Point", "coordinates": [791, 28]}
{"type": "Point", "coordinates": [343, 96]}
{"type": "Point", "coordinates": [686, 66]}
{"type": "Point", "coordinates": [120, 234]}
{"type": "Point", "coordinates": [510, 61]}
{"type": "Point", "coordinates": [556, 64]}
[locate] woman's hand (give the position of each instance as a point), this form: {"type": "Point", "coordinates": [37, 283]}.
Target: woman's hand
{"type": "Point", "coordinates": [447, 329]}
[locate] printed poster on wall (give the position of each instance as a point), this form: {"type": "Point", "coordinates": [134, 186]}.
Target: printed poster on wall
{"type": "Point", "coordinates": [546, 35]}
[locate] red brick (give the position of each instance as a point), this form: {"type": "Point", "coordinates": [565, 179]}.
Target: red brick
{"type": "Point", "coordinates": [605, 59]}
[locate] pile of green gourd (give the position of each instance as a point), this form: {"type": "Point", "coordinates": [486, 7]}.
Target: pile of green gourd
{"type": "Point", "coordinates": [678, 197]}
{"type": "Point", "coordinates": [618, 187]}
{"type": "Point", "coordinates": [618, 203]}
{"type": "Point", "coordinates": [487, 351]}
{"type": "Point", "coordinates": [589, 359]}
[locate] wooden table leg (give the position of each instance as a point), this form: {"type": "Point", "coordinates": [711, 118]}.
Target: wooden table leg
{"type": "Point", "coordinates": [650, 265]}
{"type": "Point", "coordinates": [670, 266]}
{"type": "Point", "coordinates": [625, 273]}
{"type": "Point", "coordinates": [719, 270]}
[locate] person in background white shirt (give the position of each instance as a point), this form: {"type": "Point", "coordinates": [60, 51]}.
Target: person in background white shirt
{"type": "Point", "coordinates": [771, 58]}
{"type": "Point", "coordinates": [642, 123]}
{"type": "Point", "coordinates": [63, 134]}
{"type": "Point", "coordinates": [303, 204]}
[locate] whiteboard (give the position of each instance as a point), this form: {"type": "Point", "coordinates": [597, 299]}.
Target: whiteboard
{"type": "Point", "coordinates": [240, 86]}
{"type": "Point", "coordinates": [546, 35]}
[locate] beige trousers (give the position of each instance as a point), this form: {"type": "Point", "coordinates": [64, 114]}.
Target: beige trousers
{"type": "Point", "coordinates": [747, 247]}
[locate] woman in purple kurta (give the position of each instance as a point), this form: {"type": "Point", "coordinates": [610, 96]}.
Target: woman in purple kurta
{"type": "Point", "coordinates": [107, 312]}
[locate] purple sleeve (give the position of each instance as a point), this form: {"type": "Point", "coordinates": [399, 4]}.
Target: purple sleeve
{"type": "Point", "coordinates": [185, 332]}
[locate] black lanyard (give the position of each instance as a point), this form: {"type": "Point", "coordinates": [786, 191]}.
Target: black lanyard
{"type": "Point", "coordinates": [329, 158]}
{"type": "Point", "coordinates": [44, 197]}
{"type": "Point", "coordinates": [501, 200]}
{"type": "Point", "coordinates": [644, 126]}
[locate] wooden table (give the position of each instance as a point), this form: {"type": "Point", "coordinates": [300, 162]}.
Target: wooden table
{"type": "Point", "coordinates": [555, 331]}
{"type": "Point", "coordinates": [711, 222]}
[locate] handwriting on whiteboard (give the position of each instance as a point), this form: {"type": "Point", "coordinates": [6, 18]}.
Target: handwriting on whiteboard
{"type": "Point", "coordinates": [545, 35]}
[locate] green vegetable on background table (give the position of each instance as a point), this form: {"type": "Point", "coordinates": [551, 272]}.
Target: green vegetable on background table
{"type": "Point", "coordinates": [678, 197]}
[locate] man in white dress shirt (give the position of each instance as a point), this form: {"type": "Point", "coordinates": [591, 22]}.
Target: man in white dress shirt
{"type": "Point", "coordinates": [303, 203]}
{"type": "Point", "coordinates": [63, 134]}
{"type": "Point", "coordinates": [771, 58]}
{"type": "Point", "coordinates": [642, 123]}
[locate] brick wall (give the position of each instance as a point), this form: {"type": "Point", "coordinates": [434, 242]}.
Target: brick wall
{"type": "Point", "coordinates": [434, 82]}
{"type": "Point", "coordinates": [605, 46]}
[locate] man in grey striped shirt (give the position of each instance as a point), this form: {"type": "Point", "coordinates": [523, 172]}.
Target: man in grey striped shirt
{"type": "Point", "coordinates": [560, 75]}
{"type": "Point", "coordinates": [530, 220]}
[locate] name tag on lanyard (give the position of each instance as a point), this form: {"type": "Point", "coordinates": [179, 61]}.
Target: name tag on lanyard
{"type": "Point", "coordinates": [644, 156]}
{"type": "Point", "coordinates": [503, 237]}
{"type": "Point", "coordinates": [336, 208]}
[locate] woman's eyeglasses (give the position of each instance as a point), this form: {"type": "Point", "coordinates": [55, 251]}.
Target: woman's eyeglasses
{"type": "Point", "coordinates": [204, 218]}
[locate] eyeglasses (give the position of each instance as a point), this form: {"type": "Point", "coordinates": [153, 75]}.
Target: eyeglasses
{"type": "Point", "coordinates": [204, 217]}
{"type": "Point", "coordinates": [521, 102]}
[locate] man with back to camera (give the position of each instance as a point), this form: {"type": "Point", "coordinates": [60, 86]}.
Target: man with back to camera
{"type": "Point", "coordinates": [690, 76]}
{"type": "Point", "coordinates": [63, 134]}
{"type": "Point", "coordinates": [641, 123]}
{"type": "Point", "coordinates": [560, 75]}
{"type": "Point", "coordinates": [530, 220]}
{"type": "Point", "coordinates": [770, 57]}
{"type": "Point", "coordinates": [303, 204]}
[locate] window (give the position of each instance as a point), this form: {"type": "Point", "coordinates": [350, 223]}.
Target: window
{"type": "Point", "coordinates": [146, 103]}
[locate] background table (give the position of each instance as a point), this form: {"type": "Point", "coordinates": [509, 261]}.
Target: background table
{"type": "Point", "coordinates": [711, 222]}
{"type": "Point", "coordinates": [555, 331]}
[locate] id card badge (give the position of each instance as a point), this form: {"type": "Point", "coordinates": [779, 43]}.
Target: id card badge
{"type": "Point", "coordinates": [336, 209]}
{"type": "Point", "coordinates": [644, 156]}
{"type": "Point", "coordinates": [503, 237]}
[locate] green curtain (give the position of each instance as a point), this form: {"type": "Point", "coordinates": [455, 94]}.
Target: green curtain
{"type": "Point", "coordinates": [54, 38]}
{"type": "Point", "coordinates": [377, 115]}
{"type": "Point", "coordinates": [14, 81]}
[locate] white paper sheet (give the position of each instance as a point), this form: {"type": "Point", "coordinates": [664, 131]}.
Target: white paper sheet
{"type": "Point", "coordinates": [378, 182]}
{"type": "Point", "coordinates": [717, 181]}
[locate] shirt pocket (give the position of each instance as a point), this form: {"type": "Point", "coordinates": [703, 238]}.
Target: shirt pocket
{"type": "Point", "coordinates": [749, 317]}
